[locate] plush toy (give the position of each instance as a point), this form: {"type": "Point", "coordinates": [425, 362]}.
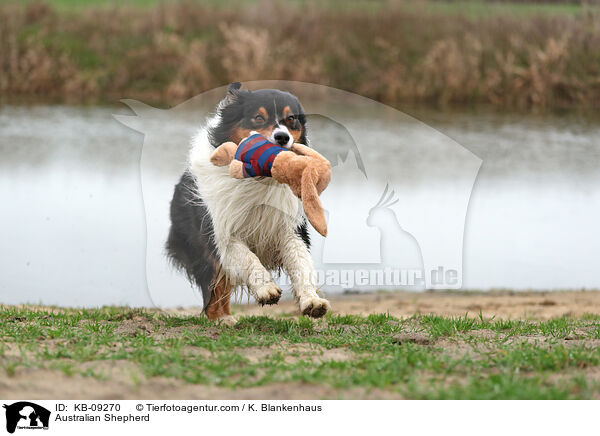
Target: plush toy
{"type": "Point", "coordinates": [305, 171]}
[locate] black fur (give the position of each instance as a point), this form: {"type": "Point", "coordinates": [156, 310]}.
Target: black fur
{"type": "Point", "coordinates": [190, 245]}
{"type": "Point", "coordinates": [239, 106]}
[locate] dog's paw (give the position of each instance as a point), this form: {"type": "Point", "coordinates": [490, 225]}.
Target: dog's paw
{"type": "Point", "coordinates": [227, 320]}
{"type": "Point", "coordinates": [268, 294]}
{"type": "Point", "coordinates": [314, 307]}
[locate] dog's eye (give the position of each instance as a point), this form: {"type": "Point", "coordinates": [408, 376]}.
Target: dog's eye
{"type": "Point", "coordinates": [259, 119]}
{"type": "Point", "coordinates": [290, 118]}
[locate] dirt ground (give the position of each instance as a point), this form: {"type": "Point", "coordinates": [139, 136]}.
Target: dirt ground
{"type": "Point", "coordinates": [45, 384]}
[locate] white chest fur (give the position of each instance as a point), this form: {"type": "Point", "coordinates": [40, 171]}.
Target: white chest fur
{"type": "Point", "coordinates": [256, 211]}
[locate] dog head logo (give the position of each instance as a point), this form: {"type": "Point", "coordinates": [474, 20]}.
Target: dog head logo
{"type": "Point", "coordinates": [26, 415]}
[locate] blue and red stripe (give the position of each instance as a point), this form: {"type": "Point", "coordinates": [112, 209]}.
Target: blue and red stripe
{"type": "Point", "coordinates": [257, 154]}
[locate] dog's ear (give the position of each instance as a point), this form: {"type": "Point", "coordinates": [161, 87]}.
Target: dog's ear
{"type": "Point", "coordinates": [232, 95]}
{"type": "Point", "coordinates": [233, 89]}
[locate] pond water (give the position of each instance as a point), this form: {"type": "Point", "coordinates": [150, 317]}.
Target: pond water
{"type": "Point", "coordinates": [85, 201]}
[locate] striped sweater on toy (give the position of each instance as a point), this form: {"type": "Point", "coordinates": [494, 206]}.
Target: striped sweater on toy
{"type": "Point", "coordinates": [257, 154]}
{"type": "Point", "coordinates": [304, 170]}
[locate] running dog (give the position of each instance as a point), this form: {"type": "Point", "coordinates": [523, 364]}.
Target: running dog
{"type": "Point", "coordinates": [229, 233]}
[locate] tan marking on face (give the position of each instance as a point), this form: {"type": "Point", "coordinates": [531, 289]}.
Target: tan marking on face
{"type": "Point", "coordinates": [263, 113]}
{"type": "Point", "coordinates": [296, 133]}
{"type": "Point", "coordinates": [238, 133]}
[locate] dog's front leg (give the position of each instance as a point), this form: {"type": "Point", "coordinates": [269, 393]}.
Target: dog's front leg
{"type": "Point", "coordinates": [299, 266]}
{"type": "Point", "coordinates": [243, 267]}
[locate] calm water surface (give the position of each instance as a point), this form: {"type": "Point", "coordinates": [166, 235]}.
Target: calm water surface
{"type": "Point", "coordinates": [79, 192]}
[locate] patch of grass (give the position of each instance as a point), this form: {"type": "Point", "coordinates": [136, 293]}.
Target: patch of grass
{"type": "Point", "coordinates": [593, 332]}
{"type": "Point", "coordinates": [505, 386]}
{"type": "Point", "coordinates": [474, 8]}
{"type": "Point", "coordinates": [514, 327]}
{"type": "Point", "coordinates": [380, 319]}
{"type": "Point", "coordinates": [262, 324]}
{"type": "Point", "coordinates": [345, 320]}
{"type": "Point", "coordinates": [65, 367]}
{"type": "Point", "coordinates": [533, 357]}
{"type": "Point", "coordinates": [178, 321]}
{"type": "Point", "coordinates": [520, 359]}
{"type": "Point", "coordinates": [448, 326]}
{"type": "Point", "coordinates": [590, 317]}
{"type": "Point", "coordinates": [557, 328]}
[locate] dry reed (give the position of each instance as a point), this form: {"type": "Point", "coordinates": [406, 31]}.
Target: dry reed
{"type": "Point", "coordinates": [173, 51]}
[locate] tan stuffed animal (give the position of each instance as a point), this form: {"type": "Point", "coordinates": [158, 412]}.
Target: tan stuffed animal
{"type": "Point", "coordinates": [305, 171]}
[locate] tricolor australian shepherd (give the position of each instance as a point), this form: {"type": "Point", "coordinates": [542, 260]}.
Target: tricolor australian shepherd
{"type": "Point", "coordinates": [228, 233]}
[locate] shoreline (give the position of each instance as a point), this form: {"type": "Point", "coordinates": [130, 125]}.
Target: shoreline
{"type": "Point", "coordinates": [526, 304]}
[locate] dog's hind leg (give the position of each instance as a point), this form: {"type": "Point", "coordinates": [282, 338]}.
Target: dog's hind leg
{"type": "Point", "coordinates": [203, 268]}
{"type": "Point", "coordinates": [219, 307]}
{"type": "Point", "coordinates": [191, 248]}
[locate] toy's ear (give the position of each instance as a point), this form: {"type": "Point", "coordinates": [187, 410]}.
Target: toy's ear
{"type": "Point", "coordinates": [311, 201]}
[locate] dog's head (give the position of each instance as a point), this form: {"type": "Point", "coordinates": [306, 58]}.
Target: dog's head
{"type": "Point", "coordinates": [276, 115]}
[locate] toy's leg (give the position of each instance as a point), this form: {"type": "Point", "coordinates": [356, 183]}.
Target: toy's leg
{"type": "Point", "coordinates": [307, 151]}
{"type": "Point", "coordinates": [224, 154]}
{"type": "Point", "coordinates": [243, 267]}
{"type": "Point", "coordinates": [299, 266]}
{"type": "Point", "coordinates": [319, 163]}
{"type": "Point", "coordinates": [236, 169]}
{"type": "Point", "coordinates": [323, 176]}
{"type": "Point", "coordinates": [312, 202]}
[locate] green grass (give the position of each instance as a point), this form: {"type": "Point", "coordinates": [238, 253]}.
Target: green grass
{"type": "Point", "coordinates": [472, 8]}
{"type": "Point", "coordinates": [441, 326]}
{"type": "Point", "coordinates": [478, 8]}
{"type": "Point", "coordinates": [462, 357]}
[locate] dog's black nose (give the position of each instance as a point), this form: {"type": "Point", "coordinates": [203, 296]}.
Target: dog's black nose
{"type": "Point", "coordinates": [281, 138]}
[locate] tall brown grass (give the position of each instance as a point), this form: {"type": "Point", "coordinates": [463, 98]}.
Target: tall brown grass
{"type": "Point", "coordinates": [174, 51]}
